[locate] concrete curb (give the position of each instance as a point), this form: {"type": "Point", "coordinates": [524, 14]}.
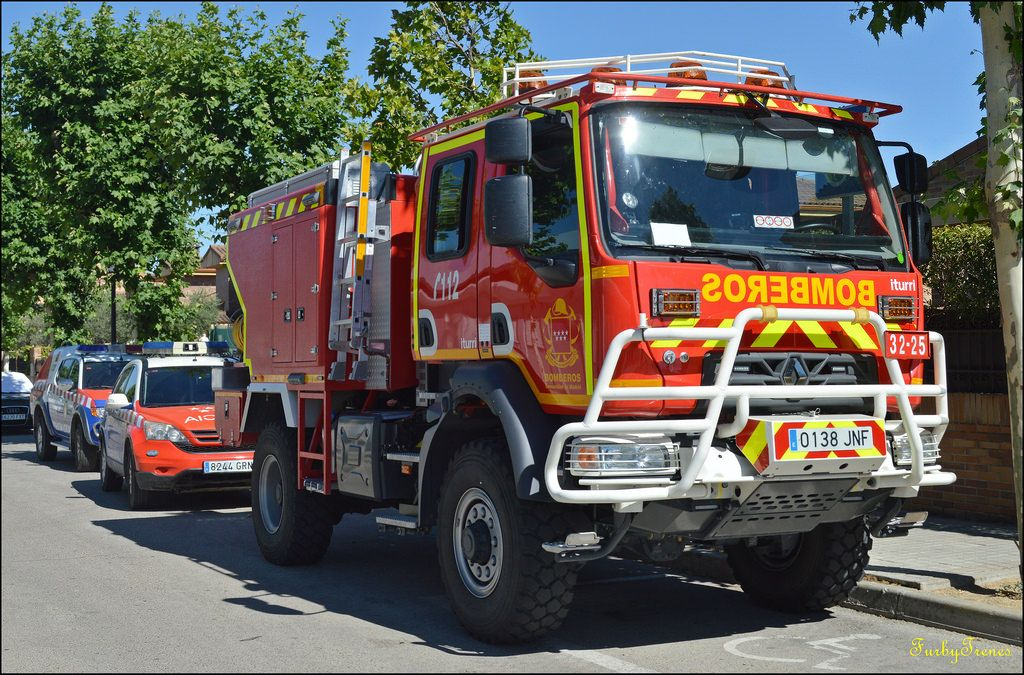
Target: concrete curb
{"type": "Point", "coordinates": [891, 601]}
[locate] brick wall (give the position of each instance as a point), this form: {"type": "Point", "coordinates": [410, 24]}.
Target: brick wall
{"type": "Point", "coordinates": [977, 448]}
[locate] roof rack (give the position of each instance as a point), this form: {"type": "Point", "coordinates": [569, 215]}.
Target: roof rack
{"type": "Point", "coordinates": [540, 74]}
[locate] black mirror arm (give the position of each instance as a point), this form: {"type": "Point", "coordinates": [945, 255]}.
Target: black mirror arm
{"type": "Point", "coordinates": [894, 144]}
{"type": "Point", "coordinates": [561, 115]}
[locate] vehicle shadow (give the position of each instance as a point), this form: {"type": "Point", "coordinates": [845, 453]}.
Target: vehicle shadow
{"type": "Point", "coordinates": [395, 582]}
{"type": "Point", "coordinates": [64, 461]}
{"type": "Point", "coordinates": [89, 488]}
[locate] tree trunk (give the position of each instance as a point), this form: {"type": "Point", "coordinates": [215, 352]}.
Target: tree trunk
{"type": "Point", "coordinates": [1002, 81]}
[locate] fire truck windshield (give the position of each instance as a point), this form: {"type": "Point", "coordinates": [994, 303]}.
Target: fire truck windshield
{"type": "Point", "coordinates": [182, 385]}
{"type": "Point", "coordinates": [712, 180]}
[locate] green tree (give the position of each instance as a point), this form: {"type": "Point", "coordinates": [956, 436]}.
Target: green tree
{"type": "Point", "coordinates": [1001, 31]}
{"type": "Point", "coordinates": [439, 60]}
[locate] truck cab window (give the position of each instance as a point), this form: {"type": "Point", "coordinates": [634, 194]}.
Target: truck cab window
{"type": "Point", "coordinates": [556, 225]}
{"type": "Point", "coordinates": [450, 208]}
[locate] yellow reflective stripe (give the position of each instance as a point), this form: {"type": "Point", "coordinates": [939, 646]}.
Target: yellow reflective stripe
{"type": "Point", "coordinates": [692, 95]}
{"type": "Point", "coordinates": [813, 330]}
{"type": "Point", "coordinates": [772, 333]}
{"type": "Point", "coordinates": [735, 98]}
{"type": "Point", "coordinates": [457, 142]}
{"type": "Point", "coordinates": [676, 323]}
{"type": "Point", "coordinates": [806, 107]}
{"type": "Point", "coordinates": [245, 221]}
{"type": "Point", "coordinates": [627, 382]}
{"type": "Point", "coordinates": [643, 91]}
{"type": "Point", "coordinates": [256, 218]}
{"type": "Point", "coordinates": [841, 113]}
{"type": "Point", "coordinates": [860, 337]}
{"type": "Point", "coordinates": [291, 207]}
{"type": "Point", "coordinates": [610, 271]}
{"type": "Point", "coordinates": [756, 444]}
{"type": "Point", "coordinates": [416, 261]}
{"type": "Point", "coordinates": [772, 104]}
{"type": "Point", "coordinates": [894, 327]}
{"type": "Point", "coordinates": [719, 343]}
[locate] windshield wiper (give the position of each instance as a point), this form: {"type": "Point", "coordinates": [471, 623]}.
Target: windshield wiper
{"type": "Point", "coordinates": [850, 260]}
{"type": "Point", "coordinates": [699, 252]}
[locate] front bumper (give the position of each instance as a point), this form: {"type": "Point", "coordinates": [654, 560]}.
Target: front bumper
{"type": "Point", "coordinates": [174, 469]}
{"type": "Point", "coordinates": [710, 470]}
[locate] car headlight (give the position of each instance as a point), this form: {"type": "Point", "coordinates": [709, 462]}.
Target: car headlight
{"type": "Point", "coordinates": [619, 457]}
{"type": "Point", "coordinates": [158, 431]}
{"type": "Point", "coordinates": [899, 445]}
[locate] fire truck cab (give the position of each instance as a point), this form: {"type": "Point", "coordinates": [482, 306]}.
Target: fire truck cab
{"type": "Point", "coordinates": [640, 301]}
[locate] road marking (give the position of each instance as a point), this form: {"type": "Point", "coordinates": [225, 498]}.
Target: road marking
{"type": "Point", "coordinates": [732, 646]}
{"type": "Point", "coordinates": [607, 662]}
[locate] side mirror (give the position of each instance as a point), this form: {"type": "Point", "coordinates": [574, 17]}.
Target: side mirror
{"type": "Point", "coordinates": [507, 141]}
{"type": "Point", "coordinates": [508, 210]}
{"type": "Point", "coordinates": [918, 221]}
{"type": "Point", "coordinates": [911, 172]}
{"type": "Point", "coordinates": [65, 383]}
{"type": "Point", "coordinates": [117, 401]}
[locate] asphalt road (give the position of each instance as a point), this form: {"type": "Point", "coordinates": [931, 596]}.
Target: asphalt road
{"type": "Point", "coordinates": [88, 585]}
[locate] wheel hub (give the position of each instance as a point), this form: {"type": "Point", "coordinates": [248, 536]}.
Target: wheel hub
{"type": "Point", "coordinates": [477, 542]}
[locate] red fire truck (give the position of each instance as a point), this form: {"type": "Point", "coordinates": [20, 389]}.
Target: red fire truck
{"type": "Point", "coordinates": [644, 301]}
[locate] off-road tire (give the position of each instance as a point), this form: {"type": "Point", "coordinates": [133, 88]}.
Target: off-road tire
{"type": "Point", "coordinates": [821, 573]}
{"type": "Point", "coordinates": [46, 450]}
{"type": "Point", "coordinates": [78, 445]}
{"type": "Point", "coordinates": [109, 481]}
{"type": "Point", "coordinates": [305, 520]}
{"type": "Point", "coordinates": [532, 594]}
{"type": "Point", "coordinates": [138, 498]}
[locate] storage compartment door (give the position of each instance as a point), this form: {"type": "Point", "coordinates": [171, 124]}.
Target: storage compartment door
{"type": "Point", "coordinates": [282, 329]}
{"type": "Point", "coordinates": [308, 266]}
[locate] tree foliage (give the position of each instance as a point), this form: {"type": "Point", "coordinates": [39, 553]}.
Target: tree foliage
{"type": "Point", "coordinates": [439, 60]}
{"type": "Point", "coordinates": [115, 133]}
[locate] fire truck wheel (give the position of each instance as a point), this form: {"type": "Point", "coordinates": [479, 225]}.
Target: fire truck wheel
{"type": "Point", "coordinates": [138, 498]}
{"type": "Point", "coordinates": [82, 460]}
{"type": "Point", "coordinates": [109, 481]}
{"type": "Point", "coordinates": [503, 587]}
{"type": "Point", "coordinates": [46, 451]}
{"type": "Point", "coordinates": [293, 527]}
{"type": "Point", "coordinates": [805, 572]}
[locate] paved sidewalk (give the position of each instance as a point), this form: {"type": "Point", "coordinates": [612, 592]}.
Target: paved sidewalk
{"type": "Point", "coordinates": [945, 552]}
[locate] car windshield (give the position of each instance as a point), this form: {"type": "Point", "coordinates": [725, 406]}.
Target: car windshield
{"type": "Point", "coordinates": [183, 385]}
{"type": "Point", "coordinates": [100, 374]}
{"type": "Point", "coordinates": [684, 179]}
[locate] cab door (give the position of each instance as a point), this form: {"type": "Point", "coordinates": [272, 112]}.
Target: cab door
{"type": "Point", "coordinates": [447, 326]}
{"type": "Point", "coordinates": [540, 304]}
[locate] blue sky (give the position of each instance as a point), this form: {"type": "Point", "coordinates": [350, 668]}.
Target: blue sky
{"type": "Point", "coordinates": [929, 72]}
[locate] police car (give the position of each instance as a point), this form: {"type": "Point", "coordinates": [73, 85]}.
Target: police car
{"type": "Point", "coordinates": [160, 432]}
{"type": "Point", "coordinates": [68, 398]}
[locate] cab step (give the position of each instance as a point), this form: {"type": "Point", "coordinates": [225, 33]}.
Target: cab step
{"type": "Point", "coordinates": [397, 523]}
{"type": "Point", "coordinates": [314, 485]}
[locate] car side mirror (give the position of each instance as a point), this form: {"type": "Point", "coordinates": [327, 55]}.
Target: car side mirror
{"type": "Point", "coordinates": [508, 210]}
{"type": "Point", "coordinates": [117, 401]}
{"type": "Point", "coordinates": [918, 221]}
{"type": "Point", "coordinates": [911, 172]}
{"type": "Point", "coordinates": [508, 141]}
{"type": "Point", "coordinates": [65, 383]}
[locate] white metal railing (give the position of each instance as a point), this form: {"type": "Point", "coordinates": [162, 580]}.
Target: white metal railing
{"type": "Point", "coordinates": [728, 65]}
{"type": "Point", "coordinates": [717, 393]}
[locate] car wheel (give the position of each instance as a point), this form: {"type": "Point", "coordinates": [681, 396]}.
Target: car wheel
{"type": "Point", "coordinates": [503, 587]}
{"type": "Point", "coordinates": [138, 498]}
{"type": "Point", "coordinates": [109, 481]}
{"type": "Point", "coordinates": [46, 451]}
{"type": "Point", "coordinates": [78, 445]}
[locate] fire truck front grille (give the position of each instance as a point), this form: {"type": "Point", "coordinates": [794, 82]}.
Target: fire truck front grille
{"type": "Point", "coordinates": [803, 368]}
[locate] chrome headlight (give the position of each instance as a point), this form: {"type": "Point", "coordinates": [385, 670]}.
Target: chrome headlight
{"type": "Point", "coordinates": [622, 457]}
{"type": "Point", "coordinates": [158, 431]}
{"type": "Point", "coordinates": [899, 446]}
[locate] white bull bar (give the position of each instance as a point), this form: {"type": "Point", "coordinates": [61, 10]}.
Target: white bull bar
{"type": "Point", "coordinates": [721, 390]}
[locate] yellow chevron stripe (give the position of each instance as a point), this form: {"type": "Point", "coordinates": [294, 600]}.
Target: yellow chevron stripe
{"type": "Point", "coordinates": [756, 444]}
{"type": "Point", "coordinates": [860, 337]}
{"type": "Point", "coordinates": [610, 271]}
{"type": "Point", "coordinates": [643, 91]}
{"type": "Point", "coordinates": [719, 343]}
{"type": "Point", "coordinates": [245, 221]}
{"type": "Point", "coordinates": [894, 327]}
{"type": "Point", "coordinates": [692, 95]}
{"type": "Point", "coordinates": [256, 218]}
{"type": "Point", "coordinates": [676, 323]}
{"type": "Point", "coordinates": [771, 335]}
{"type": "Point", "coordinates": [817, 335]}
{"type": "Point", "coordinates": [291, 207]}
{"type": "Point", "coordinates": [841, 113]}
{"type": "Point", "coordinates": [735, 98]}
{"type": "Point", "coordinates": [772, 103]}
